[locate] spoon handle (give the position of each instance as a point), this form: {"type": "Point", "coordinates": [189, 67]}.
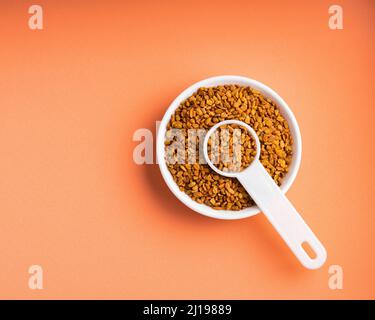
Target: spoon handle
{"type": "Point", "coordinates": [282, 215]}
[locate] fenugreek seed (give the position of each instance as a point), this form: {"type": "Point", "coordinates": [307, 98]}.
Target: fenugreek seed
{"type": "Point", "coordinates": [177, 125]}
{"type": "Point", "coordinates": [280, 152]}
{"type": "Point", "coordinates": [192, 184]}
{"type": "Point", "coordinates": [268, 122]}
{"type": "Point", "coordinates": [282, 162]}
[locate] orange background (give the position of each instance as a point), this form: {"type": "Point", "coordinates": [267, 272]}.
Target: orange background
{"type": "Point", "coordinates": [73, 201]}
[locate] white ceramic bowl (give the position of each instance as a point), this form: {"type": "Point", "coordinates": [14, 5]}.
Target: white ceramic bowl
{"type": "Point", "coordinates": [216, 81]}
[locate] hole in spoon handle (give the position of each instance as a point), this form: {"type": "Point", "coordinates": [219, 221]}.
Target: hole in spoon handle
{"type": "Point", "coordinates": [283, 216]}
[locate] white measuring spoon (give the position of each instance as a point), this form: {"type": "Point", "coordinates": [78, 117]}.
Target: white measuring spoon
{"type": "Point", "coordinates": [273, 203]}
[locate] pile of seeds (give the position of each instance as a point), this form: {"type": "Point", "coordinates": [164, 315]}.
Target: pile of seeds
{"type": "Point", "coordinates": [231, 148]}
{"type": "Point", "coordinates": [204, 109]}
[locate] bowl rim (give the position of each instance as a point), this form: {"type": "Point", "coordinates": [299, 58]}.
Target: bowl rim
{"type": "Point", "coordinates": [211, 82]}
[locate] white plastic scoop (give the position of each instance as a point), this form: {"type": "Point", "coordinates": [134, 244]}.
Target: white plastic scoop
{"type": "Point", "coordinates": [273, 203]}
